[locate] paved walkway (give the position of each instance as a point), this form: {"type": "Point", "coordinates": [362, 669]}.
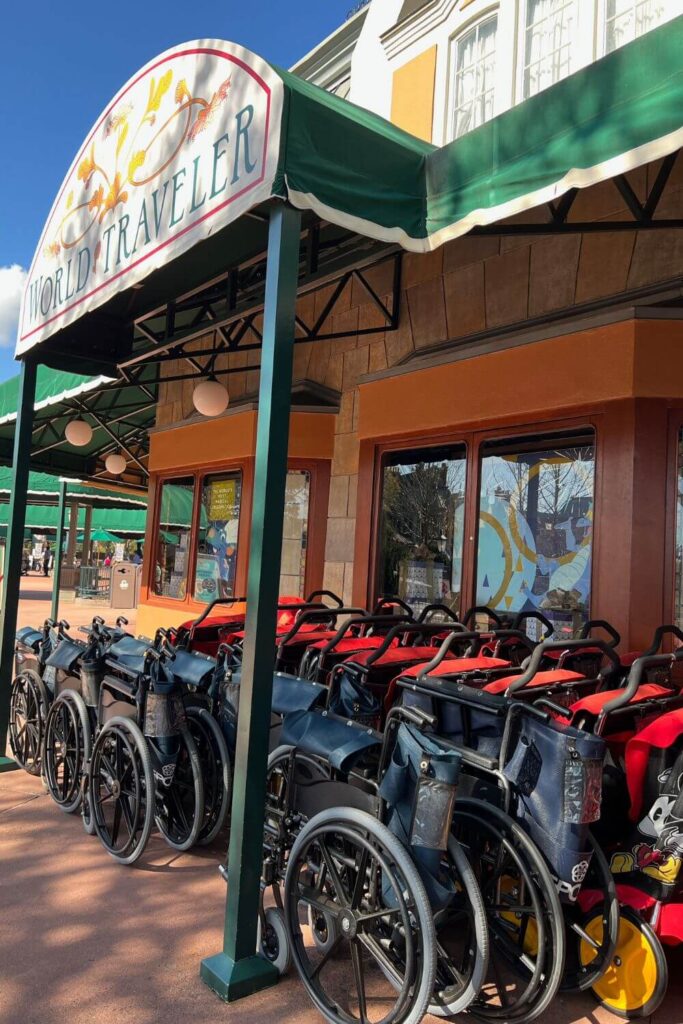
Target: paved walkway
{"type": "Point", "coordinates": [85, 941]}
{"type": "Point", "coordinates": [36, 596]}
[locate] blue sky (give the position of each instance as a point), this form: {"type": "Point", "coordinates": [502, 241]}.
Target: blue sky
{"type": "Point", "coordinates": [60, 64]}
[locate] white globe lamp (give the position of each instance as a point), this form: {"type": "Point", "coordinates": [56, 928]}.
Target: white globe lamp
{"type": "Point", "coordinates": [78, 433]}
{"type": "Point", "coordinates": [210, 397]}
{"type": "Point", "coordinates": [115, 464]}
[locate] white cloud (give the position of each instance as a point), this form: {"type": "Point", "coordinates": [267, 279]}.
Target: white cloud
{"type": "Point", "coordinates": [11, 286]}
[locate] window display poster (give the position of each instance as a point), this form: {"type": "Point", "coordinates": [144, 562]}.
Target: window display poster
{"type": "Point", "coordinates": [206, 587]}
{"type": "Point", "coordinates": [222, 500]}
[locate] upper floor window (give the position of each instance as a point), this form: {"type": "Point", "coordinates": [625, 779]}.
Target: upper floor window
{"type": "Point", "coordinates": [625, 20]}
{"type": "Point", "coordinates": [550, 31]}
{"type": "Point", "coordinates": [475, 71]}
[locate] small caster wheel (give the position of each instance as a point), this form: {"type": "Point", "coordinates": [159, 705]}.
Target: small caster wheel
{"type": "Point", "coordinates": [635, 982]}
{"type": "Point", "coordinates": [86, 815]}
{"type": "Point", "coordinates": [273, 942]}
{"type": "Point", "coordinates": [323, 929]}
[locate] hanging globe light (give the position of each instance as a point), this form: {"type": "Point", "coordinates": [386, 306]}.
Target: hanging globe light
{"type": "Point", "coordinates": [115, 464]}
{"type": "Point", "coordinates": [78, 433]}
{"type": "Point", "coordinates": [210, 397]}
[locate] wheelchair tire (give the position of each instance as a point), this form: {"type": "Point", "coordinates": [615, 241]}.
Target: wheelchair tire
{"type": "Point", "coordinates": [66, 749]}
{"type": "Point", "coordinates": [357, 860]}
{"type": "Point", "coordinates": [581, 973]}
{"type": "Point", "coordinates": [216, 772]}
{"type": "Point", "coordinates": [636, 980]}
{"type": "Point", "coordinates": [274, 943]}
{"type": "Point", "coordinates": [27, 713]}
{"type": "Point", "coordinates": [179, 812]}
{"type": "Point", "coordinates": [457, 987]}
{"type": "Point", "coordinates": [86, 813]}
{"type": "Point", "coordinates": [524, 914]}
{"type": "Point", "coordinates": [121, 777]}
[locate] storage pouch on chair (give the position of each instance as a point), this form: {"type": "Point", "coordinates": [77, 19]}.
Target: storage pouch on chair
{"type": "Point", "coordinates": [459, 721]}
{"type": "Point", "coordinates": [336, 740]}
{"type": "Point", "coordinates": [556, 772]}
{"type": "Point", "coordinates": [29, 637]}
{"type": "Point", "coordinates": [65, 655]}
{"type": "Point", "coordinates": [350, 698]}
{"type": "Point", "coordinates": [419, 787]}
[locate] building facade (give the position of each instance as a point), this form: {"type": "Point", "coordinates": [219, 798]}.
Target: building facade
{"type": "Point", "coordinates": [498, 422]}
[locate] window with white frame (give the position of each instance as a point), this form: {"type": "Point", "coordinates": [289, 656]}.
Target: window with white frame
{"type": "Point", "coordinates": [549, 41]}
{"type": "Point", "coordinates": [475, 72]}
{"type": "Point", "coordinates": [625, 20]}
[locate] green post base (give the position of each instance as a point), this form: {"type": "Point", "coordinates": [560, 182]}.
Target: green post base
{"type": "Point", "coordinates": [7, 764]}
{"type": "Point", "coordinates": [233, 980]}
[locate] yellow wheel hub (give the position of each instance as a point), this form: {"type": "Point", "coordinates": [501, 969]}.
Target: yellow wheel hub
{"type": "Point", "coordinates": [631, 979]}
{"type": "Point", "coordinates": [508, 890]}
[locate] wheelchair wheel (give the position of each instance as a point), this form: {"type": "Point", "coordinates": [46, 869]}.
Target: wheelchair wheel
{"type": "Point", "coordinates": [66, 748]}
{"type": "Point", "coordinates": [523, 910]}
{"type": "Point", "coordinates": [462, 939]}
{"type": "Point", "coordinates": [215, 769]}
{"type": "Point", "coordinates": [86, 812]}
{"type": "Point", "coordinates": [179, 812]}
{"type": "Point", "coordinates": [27, 711]}
{"type": "Point", "coordinates": [273, 939]}
{"type": "Point", "coordinates": [636, 980]}
{"type": "Point", "coordinates": [382, 965]}
{"type": "Point", "coordinates": [121, 790]}
{"type": "Point", "coordinates": [582, 972]}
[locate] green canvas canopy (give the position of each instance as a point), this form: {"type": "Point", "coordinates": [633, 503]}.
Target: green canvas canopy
{"type": "Point", "coordinates": [44, 488]}
{"type": "Point", "coordinates": [44, 519]}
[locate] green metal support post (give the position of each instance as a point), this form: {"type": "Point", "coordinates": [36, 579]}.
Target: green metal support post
{"type": "Point", "coordinates": [59, 550]}
{"type": "Point", "coordinates": [238, 971]}
{"type": "Point", "coordinates": [14, 546]}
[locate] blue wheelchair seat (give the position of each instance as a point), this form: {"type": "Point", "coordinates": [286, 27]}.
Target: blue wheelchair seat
{"type": "Point", "coordinates": [336, 740]}
{"type": "Point", "coordinates": [29, 637]}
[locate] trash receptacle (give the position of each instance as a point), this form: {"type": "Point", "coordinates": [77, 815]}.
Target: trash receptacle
{"type": "Point", "coordinates": [124, 585]}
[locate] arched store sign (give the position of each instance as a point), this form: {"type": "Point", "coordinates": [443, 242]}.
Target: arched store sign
{"type": "Point", "coordinates": [188, 145]}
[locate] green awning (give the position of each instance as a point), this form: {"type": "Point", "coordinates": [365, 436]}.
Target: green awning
{"type": "Point", "coordinates": [356, 170]}
{"type": "Point", "coordinates": [52, 388]}
{"type": "Point", "coordinates": [44, 488]}
{"type": "Point", "coordinates": [44, 518]}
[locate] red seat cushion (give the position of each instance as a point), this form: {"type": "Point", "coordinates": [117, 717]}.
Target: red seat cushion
{"type": "Point", "coordinates": [596, 702]}
{"type": "Point", "coordinates": [453, 666]}
{"type": "Point", "coordinates": [550, 678]}
{"type": "Point", "coordinates": [306, 636]}
{"type": "Point", "coordinates": [398, 656]}
{"type": "Point", "coordinates": [355, 643]}
{"type": "Point", "coordinates": [556, 654]}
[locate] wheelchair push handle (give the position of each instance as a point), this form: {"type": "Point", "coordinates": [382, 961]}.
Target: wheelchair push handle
{"type": "Point", "coordinates": [459, 635]}
{"type": "Point", "coordinates": [315, 595]}
{"type": "Point", "coordinates": [635, 678]}
{"type": "Point", "coordinates": [121, 621]}
{"type": "Point", "coordinates": [212, 604]}
{"type": "Point", "coordinates": [419, 629]}
{"type": "Point", "coordinates": [443, 609]}
{"type": "Point", "coordinates": [416, 716]}
{"type": "Point", "coordinates": [320, 614]}
{"type": "Point", "coordinates": [660, 633]}
{"type": "Point", "coordinates": [359, 620]}
{"type": "Point", "coordinates": [607, 627]}
{"type": "Point", "coordinates": [390, 601]}
{"type": "Point", "coordinates": [63, 626]}
{"type": "Point", "coordinates": [559, 645]}
{"type": "Point", "coordinates": [469, 618]}
{"type": "Point", "coordinates": [523, 617]}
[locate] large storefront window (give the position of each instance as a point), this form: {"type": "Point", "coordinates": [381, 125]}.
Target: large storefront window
{"type": "Point", "coordinates": [173, 538]}
{"type": "Point", "coordinates": [536, 529]}
{"type": "Point", "coordinates": [422, 516]}
{"type": "Point", "coordinates": [219, 518]}
{"type": "Point", "coordinates": [295, 534]}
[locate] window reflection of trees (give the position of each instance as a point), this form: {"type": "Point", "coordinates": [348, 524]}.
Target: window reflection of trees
{"type": "Point", "coordinates": [421, 530]}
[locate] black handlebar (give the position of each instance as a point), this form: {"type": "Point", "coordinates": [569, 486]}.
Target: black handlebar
{"type": "Point", "coordinates": [325, 593]}
{"type": "Point", "coordinates": [360, 620]}
{"type": "Point", "coordinates": [321, 615]}
{"type": "Point", "coordinates": [459, 635]}
{"type": "Point", "coordinates": [660, 633]}
{"type": "Point", "coordinates": [419, 628]}
{"type": "Point", "coordinates": [392, 600]}
{"type": "Point", "coordinates": [559, 645]}
{"type": "Point", "coordinates": [481, 609]}
{"type": "Point", "coordinates": [537, 617]}
{"type": "Point", "coordinates": [442, 608]}
{"type": "Point", "coordinates": [592, 624]}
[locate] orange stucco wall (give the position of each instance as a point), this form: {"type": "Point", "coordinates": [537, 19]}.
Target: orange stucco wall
{"type": "Point", "coordinates": [412, 97]}
{"type": "Point", "coordinates": [212, 442]}
{"type": "Point", "coordinates": [622, 360]}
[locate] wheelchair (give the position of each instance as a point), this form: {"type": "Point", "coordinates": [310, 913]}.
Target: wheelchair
{"type": "Point", "coordinates": [353, 818]}
{"type": "Point", "coordinates": [31, 695]}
